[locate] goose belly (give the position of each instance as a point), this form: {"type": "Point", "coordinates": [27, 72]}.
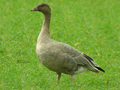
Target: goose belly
{"type": "Point", "coordinates": [80, 70]}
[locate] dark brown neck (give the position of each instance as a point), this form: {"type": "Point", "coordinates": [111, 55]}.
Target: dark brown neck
{"type": "Point", "coordinates": [46, 22]}
{"type": "Point", "coordinates": [45, 34]}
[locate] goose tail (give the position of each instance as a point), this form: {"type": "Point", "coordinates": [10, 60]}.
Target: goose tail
{"type": "Point", "coordinates": [100, 69]}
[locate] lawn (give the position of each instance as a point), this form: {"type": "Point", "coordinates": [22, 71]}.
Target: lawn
{"type": "Point", "coordinates": [90, 26]}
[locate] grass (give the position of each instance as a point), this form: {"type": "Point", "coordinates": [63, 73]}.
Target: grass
{"type": "Point", "coordinates": [91, 26]}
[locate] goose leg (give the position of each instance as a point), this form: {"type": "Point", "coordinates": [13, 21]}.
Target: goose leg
{"type": "Point", "coordinates": [73, 81]}
{"type": "Point", "coordinates": [58, 77]}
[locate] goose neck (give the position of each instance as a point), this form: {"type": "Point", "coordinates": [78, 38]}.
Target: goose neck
{"type": "Point", "coordinates": [45, 26]}
{"type": "Point", "coordinates": [45, 34]}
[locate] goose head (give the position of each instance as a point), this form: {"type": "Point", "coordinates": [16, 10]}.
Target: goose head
{"type": "Point", "coordinates": [44, 8]}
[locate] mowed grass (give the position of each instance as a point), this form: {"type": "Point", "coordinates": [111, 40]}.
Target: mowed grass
{"type": "Point", "coordinates": [91, 26]}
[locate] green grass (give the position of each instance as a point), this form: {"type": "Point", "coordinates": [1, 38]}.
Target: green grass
{"type": "Point", "coordinates": [91, 26]}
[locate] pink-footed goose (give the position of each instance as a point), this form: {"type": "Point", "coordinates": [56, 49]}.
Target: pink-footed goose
{"type": "Point", "coordinates": [57, 56]}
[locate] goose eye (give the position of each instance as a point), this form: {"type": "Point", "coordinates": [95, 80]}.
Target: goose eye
{"type": "Point", "coordinates": [42, 5]}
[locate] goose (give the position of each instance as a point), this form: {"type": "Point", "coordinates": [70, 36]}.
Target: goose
{"type": "Point", "coordinates": [57, 56]}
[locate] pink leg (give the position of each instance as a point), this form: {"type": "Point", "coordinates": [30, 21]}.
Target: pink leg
{"type": "Point", "coordinates": [58, 77]}
{"type": "Point", "coordinates": [72, 77]}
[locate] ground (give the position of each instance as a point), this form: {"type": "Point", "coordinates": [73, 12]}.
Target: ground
{"type": "Point", "coordinates": [90, 26]}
